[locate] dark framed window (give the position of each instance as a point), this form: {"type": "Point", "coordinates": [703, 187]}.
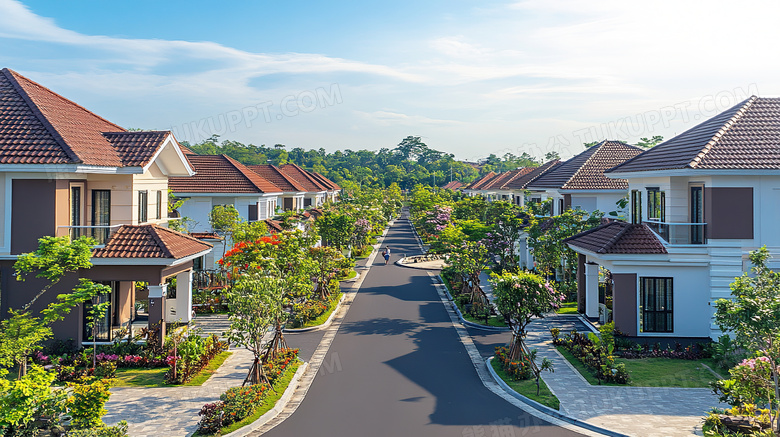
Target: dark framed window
{"type": "Point", "coordinates": [656, 305]}
{"type": "Point", "coordinates": [656, 204]}
{"type": "Point", "coordinates": [143, 206]}
{"type": "Point", "coordinates": [101, 214]}
{"type": "Point", "coordinates": [252, 212]}
{"type": "Point", "coordinates": [103, 326]}
{"type": "Point", "coordinates": [636, 206]}
{"type": "Point", "coordinates": [159, 204]}
{"type": "Point", "coordinates": [75, 211]}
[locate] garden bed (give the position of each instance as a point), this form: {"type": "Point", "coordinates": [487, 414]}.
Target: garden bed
{"type": "Point", "coordinates": [494, 321]}
{"type": "Point", "coordinates": [322, 318]}
{"type": "Point", "coordinates": [527, 387]}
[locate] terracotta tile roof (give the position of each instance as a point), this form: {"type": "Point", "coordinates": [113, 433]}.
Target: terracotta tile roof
{"type": "Point", "coordinates": [618, 237]}
{"type": "Point", "coordinates": [521, 181]}
{"type": "Point", "coordinates": [325, 181]}
{"type": "Point", "coordinates": [205, 235]}
{"type": "Point", "coordinates": [303, 177]}
{"type": "Point", "coordinates": [586, 170]}
{"type": "Point", "coordinates": [477, 184]}
{"type": "Point", "coordinates": [221, 174]}
{"type": "Point", "coordinates": [277, 177]}
{"type": "Point", "coordinates": [38, 126]}
{"type": "Point", "coordinates": [501, 179]}
{"type": "Point", "coordinates": [150, 241]}
{"type": "Point", "coordinates": [186, 150]}
{"type": "Point", "coordinates": [274, 226]}
{"type": "Point", "coordinates": [453, 185]}
{"type": "Point", "coordinates": [746, 136]}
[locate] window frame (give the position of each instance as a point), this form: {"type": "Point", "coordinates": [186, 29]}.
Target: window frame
{"type": "Point", "coordinates": [656, 204]}
{"type": "Point", "coordinates": [159, 204]}
{"type": "Point", "coordinates": [636, 206]}
{"type": "Point", "coordinates": [650, 284]}
{"type": "Point", "coordinates": [143, 206]}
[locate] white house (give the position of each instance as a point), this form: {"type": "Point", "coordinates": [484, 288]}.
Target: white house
{"type": "Point", "coordinates": [700, 202]}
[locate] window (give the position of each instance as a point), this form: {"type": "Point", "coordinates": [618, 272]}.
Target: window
{"type": "Point", "coordinates": [159, 204]}
{"type": "Point", "coordinates": [252, 212]}
{"type": "Point", "coordinates": [101, 214]}
{"type": "Point", "coordinates": [655, 305]}
{"type": "Point", "coordinates": [656, 204]}
{"type": "Point", "coordinates": [103, 326]}
{"type": "Point", "coordinates": [76, 211]}
{"type": "Point", "coordinates": [636, 206]}
{"type": "Point", "coordinates": [143, 206]}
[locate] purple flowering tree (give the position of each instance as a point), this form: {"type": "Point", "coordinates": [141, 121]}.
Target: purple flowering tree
{"type": "Point", "coordinates": [520, 297]}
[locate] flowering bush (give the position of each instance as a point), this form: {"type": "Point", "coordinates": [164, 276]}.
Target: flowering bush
{"type": "Point", "coordinates": [276, 367]}
{"type": "Point", "coordinates": [520, 369]}
{"type": "Point", "coordinates": [595, 355]}
{"type": "Point", "coordinates": [194, 354]}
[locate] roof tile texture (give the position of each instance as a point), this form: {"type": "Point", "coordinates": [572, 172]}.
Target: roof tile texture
{"type": "Point", "coordinates": [302, 176]}
{"type": "Point", "coordinates": [221, 174]}
{"type": "Point", "coordinates": [618, 237]}
{"type": "Point", "coordinates": [276, 176]}
{"type": "Point", "coordinates": [150, 241]}
{"type": "Point", "coordinates": [586, 170]}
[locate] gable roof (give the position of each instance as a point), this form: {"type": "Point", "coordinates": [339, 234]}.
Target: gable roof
{"type": "Point", "coordinates": [618, 237]}
{"type": "Point", "coordinates": [746, 136]}
{"type": "Point", "coordinates": [477, 184]}
{"type": "Point", "coordinates": [150, 241]}
{"type": "Point", "coordinates": [221, 174]}
{"type": "Point", "coordinates": [499, 182]}
{"type": "Point", "coordinates": [586, 170]}
{"type": "Point", "coordinates": [521, 181]}
{"type": "Point", "coordinates": [39, 126]}
{"type": "Point", "coordinates": [325, 181]}
{"type": "Point", "coordinates": [452, 185]}
{"type": "Point", "coordinates": [302, 176]}
{"type": "Point", "coordinates": [284, 181]}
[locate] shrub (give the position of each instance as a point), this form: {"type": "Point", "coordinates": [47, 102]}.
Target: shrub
{"type": "Point", "coordinates": [118, 430]}
{"type": "Point", "coordinates": [194, 353]}
{"type": "Point", "coordinates": [86, 403]}
{"type": "Point", "coordinates": [595, 355]}
{"type": "Point", "coordinates": [517, 370]}
{"type": "Point", "coordinates": [276, 367]}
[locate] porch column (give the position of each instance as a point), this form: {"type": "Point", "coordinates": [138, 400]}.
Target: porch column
{"type": "Point", "coordinates": [581, 283]}
{"type": "Point", "coordinates": [592, 290]}
{"type": "Point", "coordinates": [157, 307]}
{"type": "Point", "coordinates": [184, 296]}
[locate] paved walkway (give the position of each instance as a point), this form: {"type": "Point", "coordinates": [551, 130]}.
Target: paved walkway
{"type": "Point", "coordinates": [645, 411]}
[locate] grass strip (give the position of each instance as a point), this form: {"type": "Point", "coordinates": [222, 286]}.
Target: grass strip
{"type": "Point", "coordinates": [568, 308]}
{"type": "Point", "coordinates": [156, 377]}
{"type": "Point", "coordinates": [209, 370]}
{"type": "Point", "coordinates": [527, 388]}
{"type": "Point", "coordinates": [324, 316]}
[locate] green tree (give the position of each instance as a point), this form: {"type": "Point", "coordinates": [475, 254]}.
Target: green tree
{"type": "Point", "coordinates": [647, 143]}
{"type": "Point", "coordinates": [520, 297]}
{"type": "Point", "coordinates": [753, 314]}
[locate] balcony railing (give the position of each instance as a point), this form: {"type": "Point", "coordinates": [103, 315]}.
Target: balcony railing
{"type": "Point", "coordinates": [679, 233]}
{"type": "Point", "coordinates": [101, 233]}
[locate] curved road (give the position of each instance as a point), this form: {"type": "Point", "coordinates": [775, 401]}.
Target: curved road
{"type": "Point", "coordinates": [398, 368]}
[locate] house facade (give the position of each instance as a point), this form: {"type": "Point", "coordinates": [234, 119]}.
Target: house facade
{"type": "Point", "coordinates": [699, 203]}
{"type": "Point", "coordinates": [65, 171]}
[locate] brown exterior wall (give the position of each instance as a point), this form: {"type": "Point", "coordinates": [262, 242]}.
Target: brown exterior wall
{"type": "Point", "coordinates": [581, 283]}
{"type": "Point", "coordinates": [33, 201]}
{"type": "Point", "coordinates": [566, 201]}
{"type": "Point", "coordinates": [728, 212]}
{"type": "Point", "coordinates": [624, 304]}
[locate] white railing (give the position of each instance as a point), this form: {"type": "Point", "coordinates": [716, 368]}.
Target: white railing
{"type": "Point", "coordinates": [101, 233]}
{"type": "Point", "coordinates": [679, 233]}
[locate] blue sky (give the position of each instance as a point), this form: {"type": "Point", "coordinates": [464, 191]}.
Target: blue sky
{"type": "Point", "coordinates": [471, 78]}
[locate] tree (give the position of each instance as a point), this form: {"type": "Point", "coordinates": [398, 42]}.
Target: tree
{"type": "Point", "coordinates": [590, 144]}
{"type": "Point", "coordinates": [253, 302]}
{"type": "Point", "coordinates": [249, 231]}
{"type": "Point", "coordinates": [223, 219]}
{"type": "Point", "coordinates": [507, 221]}
{"type": "Point", "coordinates": [335, 228]}
{"type": "Point", "coordinates": [520, 297]}
{"type": "Point", "coordinates": [468, 261]}
{"type": "Point", "coordinates": [549, 156]}
{"type": "Point", "coordinates": [753, 314]}
{"type": "Point", "coordinates": [647, 143]}
{"type": "Point", "coordinates": [327, 261]}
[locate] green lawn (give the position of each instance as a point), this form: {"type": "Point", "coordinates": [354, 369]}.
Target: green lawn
{"type": "Point", "coordinates": [352, 274]}
{"type": "Point", "coordinates": [156, 377]}
{"type": "Point", "coordinates": [324, 316]}
{"type": "Point", "coordinates": [653, 372]}
{"type": "Point", "coordinates": [280, 386]}
{"type": "Point", "coordinates": [568, 308]}
{"type": "Point", "coordinates": [495, 321]}
{"type": "Point", "coordinates": [527, 388]}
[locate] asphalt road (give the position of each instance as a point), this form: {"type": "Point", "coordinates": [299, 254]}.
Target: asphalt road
{"type": "Point", "coordinates": [397, 368]}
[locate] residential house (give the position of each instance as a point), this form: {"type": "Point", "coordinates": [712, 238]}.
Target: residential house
{"type": "Point", "coordinates": [580, 182]}
{"type": "Point", "coordinates": [453, 185]}
{"type": "Point", "coordinates": [317, 191]}
{"type": "Point", "coordinates": [66, 171]}
{"type": "Point", "coordinates": [700, 202]}
{"type": "Point", "coordinates": [293, 192]}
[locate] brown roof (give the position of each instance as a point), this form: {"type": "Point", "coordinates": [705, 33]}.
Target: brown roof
{"type": "Point", "coordinates": [746, 136]}
{"type": "Point", "coordinates": [618, 237]}
{"type": "Point", "coordinates": [325, 181]}
{"type": "Point", "coordinates": [221, 174]}
{"type": "Point", "coordinates": [521, 181]}
{"type": "Point", "coordinates": [274, 226]}
{"type": "Point", "coordinates": [186, 150]}
{"type": "Point", "coordinates": [477, 184]}
{"type": "Point", "coordinates": [586, 170]}
{"type": "Point", "coordinates": [302, 176]}
{"type": "Point", "coordinates": [205, 235]}
{"type": "Point", "coordinates": [501, 179]}
{"type": "Point", "coordinates": [452, 185]}
{"type": "Point", "coordinates": [38, 126]}
{"type": "Point", "coordinates": [150, 241]}
{"type": "Point", "coordinates": [277, 177]}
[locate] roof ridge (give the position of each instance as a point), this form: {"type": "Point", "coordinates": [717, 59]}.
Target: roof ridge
{"type": "Point", "coordinates": [584, 163]}
{"type": "Point", "coordinates": [249, 177]}
{"type": "Point", "coordinates": [9, 74]}
{"type": "Point", "coordinates": [160, 243]}
{"type": "Point", "coordinates": [553, 163]}
{"type": "Point", "coordinates": [615, 238]}
{"type": "Point", "coordinates": [722, 131]}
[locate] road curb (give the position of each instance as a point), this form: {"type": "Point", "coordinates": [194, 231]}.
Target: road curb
{"type": "Point", "coordinates": [544, 408]}
{"type": "Point", "coordinates": [465, 322]}
{"type": "Point", "coordinates": [273, 412]}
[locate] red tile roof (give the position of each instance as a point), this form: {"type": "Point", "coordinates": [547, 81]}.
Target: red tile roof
{"type": "Point", "coordinates": [274, 226]}
{"type": "Point", "coordinates": [586, 170]}
{"type": "Point", "coordinates": [277, 177]}
{"type": "Point", "coordinates": [521, 181]}
{"type": "Point", "coordinates": [205, 235]}
{"type": "Point", "coordinates": [325, 181]}
{"type": "Point", "coordinates": [453, 185]}
{"type": "Point", "coordinates": [746, 136]}
{"type": "Point", "coordinates": [618, 237]}
{"type": "Point", "coordinates": [477, 184]}
{"type": "Point", "coordinates": [302, 176]}
{"type": "Point", "coordinates": [221, 174]}
{"type": "Point", "coordinates": [150, 241]}
{"type": "Point", "coordinates": [38, 126]}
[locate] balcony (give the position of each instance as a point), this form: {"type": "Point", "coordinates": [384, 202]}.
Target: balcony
{"type": "Point", "coordinates": [679, 233]}
{"type": "Point", "coordinates": [101, 233]}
